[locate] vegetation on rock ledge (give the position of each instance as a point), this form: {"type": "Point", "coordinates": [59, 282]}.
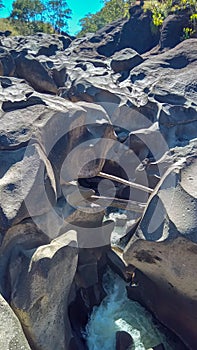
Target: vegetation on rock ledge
{"type": "Point", "coordinates": [111, 11]}
{"type": "Point", "coordinates": [31, 16]}
{"type": "Point", "coordinates": [161, 9]}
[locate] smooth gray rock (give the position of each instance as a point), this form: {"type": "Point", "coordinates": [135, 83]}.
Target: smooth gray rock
{"type": "Point", "coordinates": [11, 334]}
{"type": "Point", "coordinates": [7, 64]}
{"type": "Point", "coordinates": [41, 280]}
{"type": "Point", "coordinates": [174, 23]}
{"type": "Point", "coordinates": [34, 73]}
{"type": "Point", "coordinates": [158, 347]}
{"type": "Point", "coordinates": [27, 188]}
{"type": "Point", "coordinates": [19, 238]}
{"type": "Point", "coordinates": [125, 60]}
{"type": "Point", "coordinates": [138, 24]}
{"type": "Point", "coordinates": [37, 44]}
{"type": "Point", "coordinates": [164, 247]}
{"type": "Point", "coordinates": [124, 340]}
{"type": "Point", "coordinates": [82, 119]}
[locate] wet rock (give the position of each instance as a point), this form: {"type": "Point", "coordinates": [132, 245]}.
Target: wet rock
{"type": "Point", "coordinates": [144, 290]}
{"type": "Point", "coordinates": [76, 344]}
{"type": "Point", "coordinates": [118, 266]}
{"type": "Point", "coordinates": [158, 347]}
{"type": "Point", "coordinates": [123, 340]}
{"type": "Point", "coordinates": [87, 290]}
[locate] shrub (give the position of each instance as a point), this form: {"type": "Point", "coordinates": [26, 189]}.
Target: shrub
{"type": "Point", "coordinates": [161, 9]}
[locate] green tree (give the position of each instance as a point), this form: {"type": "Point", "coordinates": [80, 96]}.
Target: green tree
{"type": "Point", "coordinates": [27, 10]}
{"type": "Point", "coordinates": [161, 9]}
{"type": "Point", "coordinates": [91, 23]}
{"type": "Point", "coordinates": [1, 4]}
{"type": "Point", "coordinates": [6, 24]}
{"type": "Point", "coordinates": [58, 13]}
{"type": "Point", "coordinates": [28, 17]}
{"type": "Point", "coordinates": [112, 10]}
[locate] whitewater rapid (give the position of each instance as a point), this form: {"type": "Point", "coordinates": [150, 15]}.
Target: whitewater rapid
{"type": "Point", "coordinates": [118, 313]}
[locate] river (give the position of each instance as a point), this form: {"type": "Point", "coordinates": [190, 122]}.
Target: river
{"type": "Point", "coordinates": [118, 313]}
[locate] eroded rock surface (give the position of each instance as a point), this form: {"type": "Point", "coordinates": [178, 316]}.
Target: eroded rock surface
{"type": "Point", "coordinates": [11, 333]}
{"type": "Point", "coordinates": [40, 296]}
{"type": "Point", "coordinates": [71, 110]}
{"type": "Point", "coordinates": [164, 247]}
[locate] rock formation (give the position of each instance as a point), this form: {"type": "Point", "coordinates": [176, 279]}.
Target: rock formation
{"type": "Point", "coordinates": [123, 340]}
{"type": "Point", "coordinates": [12, 336]}
{"type": "Point", "coordinates": [108, 120]}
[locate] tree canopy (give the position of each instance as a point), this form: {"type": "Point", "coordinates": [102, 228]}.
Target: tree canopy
{"type": "Point", "coordinates": [58, 13]}
{"type": "Point", "coordinates": [30, 16]}
{"type": "Point", "coordinates": [27, 10]}
{"type": "Point", "coordinates": [112, 10]}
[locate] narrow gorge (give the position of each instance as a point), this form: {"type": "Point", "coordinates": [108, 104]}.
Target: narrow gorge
{"type": "Point", "coordinates": [98, 189]}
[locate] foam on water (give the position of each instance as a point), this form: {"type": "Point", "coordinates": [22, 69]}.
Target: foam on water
{"type": "Point", "coordinates": [118, 313]}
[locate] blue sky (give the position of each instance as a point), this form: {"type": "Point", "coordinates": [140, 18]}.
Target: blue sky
{"type": "Point", "coordinates": [79, 9]}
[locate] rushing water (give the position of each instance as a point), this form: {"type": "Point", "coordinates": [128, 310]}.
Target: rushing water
{"type": "Point", "coordinates": [118, 313]}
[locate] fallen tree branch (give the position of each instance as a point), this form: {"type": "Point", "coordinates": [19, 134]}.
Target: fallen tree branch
{"type": "Point", "coordinates": [118, 203]}
{"type": "Point", "coordinates": [125, 182]}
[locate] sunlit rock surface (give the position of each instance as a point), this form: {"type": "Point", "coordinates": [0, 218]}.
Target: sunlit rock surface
{"type": "Point", "coordinates": [113, 102]}
{"type": "Point", "coordinates": [11, 334]}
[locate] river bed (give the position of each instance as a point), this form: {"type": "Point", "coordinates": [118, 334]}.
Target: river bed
{"type": "Point", "coordinates": [118, 313]}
